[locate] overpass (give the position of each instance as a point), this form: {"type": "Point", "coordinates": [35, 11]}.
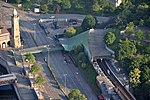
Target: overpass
{"type": "Point", "coordinates": [38, 49]}
{"type": "Point", "coordinates": [7, 79]}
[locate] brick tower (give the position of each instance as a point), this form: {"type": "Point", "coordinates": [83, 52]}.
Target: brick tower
{"type": "Point", "coordinates": [15, 38]}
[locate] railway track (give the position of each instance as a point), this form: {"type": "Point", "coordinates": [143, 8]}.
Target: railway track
{"type": "Point", "coordinates": [119, 88]}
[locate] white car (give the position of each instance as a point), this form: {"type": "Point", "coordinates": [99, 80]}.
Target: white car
{"type": "Point", "coordinates": [52, 17]}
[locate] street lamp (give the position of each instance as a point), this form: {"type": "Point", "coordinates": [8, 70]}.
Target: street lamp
{"type": "Point", "coordinates": [34, 26]}
{"type": "Point", "coordinates": [48, 55]}
{"type": "Point", "coordinates": [65, 75]}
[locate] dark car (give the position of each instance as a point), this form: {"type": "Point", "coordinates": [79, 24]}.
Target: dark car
{"type": "Point", "coordinates": [73, 21]}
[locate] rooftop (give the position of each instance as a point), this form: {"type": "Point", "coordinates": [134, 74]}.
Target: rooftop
{"type": "Point", "coordinates": [96, 44]}
{"type": "Point", "coordinates": [3, 31]}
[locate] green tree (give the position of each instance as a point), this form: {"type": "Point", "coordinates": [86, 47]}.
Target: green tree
{"type": "Point", "coordinates": [135, 77]}
{"type": "Point", "coordinates": [80, 56]}
{"type": "Point", "coordinates": [40, 80]}
{"type": "Point", "coordinates": [147, 22]}
{"type": "Point", "coordinates": [125, 49]}
{"type": "Point", "coordinates": [66, 4]}
{"type": "Point", "coordinates": [58, 1]}
{"type": "Point", "coordinates": [35, 69]}
{"type": "Point", "coordinates": [30, 57]}
{"type": "Point", "coordinates": [83, 65]}
{"type": "Point", "coordinates": [130, 27]}
{"type": "Point", "coordinates": [71, 31]}
{"type": "Point", "coordinates": [148, 36]}
{"type": "Point", "coordinates": [141, 23]}
{"type": "Point", "coordinates": [110, 38]}
{"type": "Point", "coordinates": [18, 1]}
{"type": "Point", "coordinates": [49, 2]}
{"type": "Point", "coordinates": [139, 34]}
{"type": "Point", "coordinates": [75, 4]}
{"type": "Point", "coordinates": [88, 22]}
{"type": "Point", "coordinates": [146, 74]}
{"type": "Point", "coordinates": [96, 6]}
{"type": "Point", "coordinates": [76, 95]}
{"type": "Point", "coordinates": [44, 8]}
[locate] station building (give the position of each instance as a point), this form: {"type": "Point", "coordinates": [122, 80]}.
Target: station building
{"type": "Point", "coordinates": [4, 38]}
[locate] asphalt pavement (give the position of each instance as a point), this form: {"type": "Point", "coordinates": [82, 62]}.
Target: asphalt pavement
{"type": "Point", "coordinates": [67, 74]}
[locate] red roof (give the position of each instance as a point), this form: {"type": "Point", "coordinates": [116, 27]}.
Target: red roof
{"type": "Point", "coordinates": [3, 31]}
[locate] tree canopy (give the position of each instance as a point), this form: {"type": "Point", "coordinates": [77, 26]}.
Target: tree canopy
{"type": "Point", "coordinates": [135, 77]}
{"type": "Point", "coordinates": [35, 69]}
{"type": "Point", "coordinates": [139, 34]}
{"type": "Point", "coordinates": [126, 48]}
{"type": "Point", "coordinates": [130, 27]}
{"type": "Point", "coordinates": [88, 22]}
{"type": "Point", "coordinates": [40, 80]}
{"type": "Point", "coordinates": [110, 38]}
{"type": "Point", "coordinates": [70, 31]}
{"type": "Point", "coordinates": [44, 8]}
{"type": "Point", "coordinates": [76, 95]}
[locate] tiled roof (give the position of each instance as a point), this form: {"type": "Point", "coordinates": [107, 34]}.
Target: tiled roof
{"type": "Point", "coordinates": [3, 31]}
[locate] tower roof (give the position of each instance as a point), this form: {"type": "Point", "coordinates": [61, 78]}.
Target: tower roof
{"type": "Point", "coordinates": [15, 12]}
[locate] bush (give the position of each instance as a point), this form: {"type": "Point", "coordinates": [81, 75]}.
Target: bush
{"type": "Point", "coordinates": [110, 38]}
{"type": "Point", "coordinates": [35, 69]}
{"type": "Point", "coordinates": [88, 22]}
{"type": "Point", "coordinates": [71, 31]}
{"type": "Point", "coordinates": [40, 80]}
{"type": "Point", "coordinates": [30, 57]}
{"type": "Point", "coordinates": [76, 95]}
{"type": "Point", "coordinates": [139, 34]}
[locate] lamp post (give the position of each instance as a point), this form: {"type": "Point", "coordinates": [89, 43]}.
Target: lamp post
{"type": "Point", "coordinates": [34, 27]}
{"type": "Point", "coordinates": [48, 55]}
{"type": "Point", "coordinates": [65, 75]}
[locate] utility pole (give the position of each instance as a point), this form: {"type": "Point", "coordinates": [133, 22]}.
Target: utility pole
{"type": "Point", "coordinates": [65, 75]}
{"type": "Point", "coordinates": [48, 55]}
{"type": "Point", "coordinates": [34, 26]}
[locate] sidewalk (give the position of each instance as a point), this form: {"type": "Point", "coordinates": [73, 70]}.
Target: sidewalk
{"type": "Point", "coordinates": [22, 84]}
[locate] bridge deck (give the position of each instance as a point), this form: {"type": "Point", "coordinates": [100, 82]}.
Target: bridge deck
{"type": "Point", "coordinates": [38, 49]}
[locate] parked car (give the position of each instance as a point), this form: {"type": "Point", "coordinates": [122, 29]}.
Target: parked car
{"type": "Point", "coordinates": [72, 21]}
{"type": "Point", "coordinates": [52, 17]}
{"type": "Point", "coordinates": [100, 97]}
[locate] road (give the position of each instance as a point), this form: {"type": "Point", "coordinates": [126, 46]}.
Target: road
{"type": "Point", "coordinates": [27, 33]}
{"type": "Point", "coordinates": [55, 93]}
{"type": "Point", "coordinates": [74, 80]}
{"type": "Point", "coordinates": [33, 35]}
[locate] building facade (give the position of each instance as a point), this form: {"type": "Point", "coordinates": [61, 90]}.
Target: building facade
{"type": "Point", "coordinates": [4, 38]}
{"type": "Point", "coordinates": [15, 32]}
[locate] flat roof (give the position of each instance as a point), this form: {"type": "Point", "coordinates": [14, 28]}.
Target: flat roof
{"type": "Point", "coordinates": [96, 44]}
